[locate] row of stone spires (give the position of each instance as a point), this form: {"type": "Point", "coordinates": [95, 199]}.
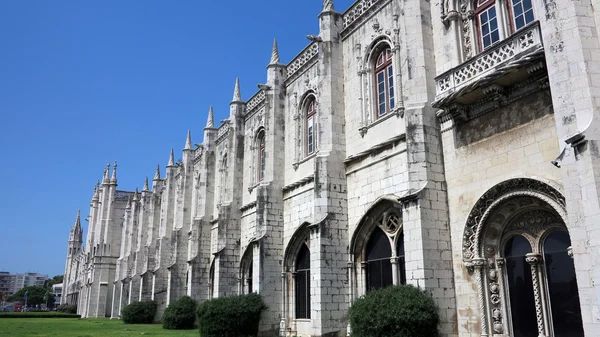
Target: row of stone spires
{"type": "Point", "coordinates": [210, 124]}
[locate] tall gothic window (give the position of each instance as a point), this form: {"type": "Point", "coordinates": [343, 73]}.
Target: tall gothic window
{"type": "Point", "coordinates": [261, 156]}
{"type": "Point", "coordinates": [223, 191]}
{"type": "Point", "coordinates": [490, 25]}
{"type": "Point", "coordinates": [384, 82]}
{"type": "Point", "coordinates": [310, 134]}
{"type": "Point", "coordinates": [303, 283]}
{"type": "Point", "coordinates": [379, 267]}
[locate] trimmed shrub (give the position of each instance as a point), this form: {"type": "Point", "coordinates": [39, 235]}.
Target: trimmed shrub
{"type": "Point", "coordinates": [39, 314]}
{"type": "Point", "coordinates": [236, 316]}
{"type": "Point", "coordinates": [68, 308]}
{"type": "Point", "coordinates": [398, 311]}
{"type": "Point", "coordinates": [139, 312]}
{"type": "Point", "coordinates": [180, 315]}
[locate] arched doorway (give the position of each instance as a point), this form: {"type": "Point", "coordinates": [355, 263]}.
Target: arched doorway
{"type": "Point", "coordinates": [517, 244]}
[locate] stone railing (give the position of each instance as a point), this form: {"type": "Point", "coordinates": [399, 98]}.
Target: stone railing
{"type": "Point", "coordinates": [302, 59]}
{"type": "Point", "coordinates": [488, 61]}
{"type": "Point", "coordinates": [357, 10]}
{"type": "Point", "coordinates": [222, 131]}
{"type": "Point", "coordinates": [255, 101]}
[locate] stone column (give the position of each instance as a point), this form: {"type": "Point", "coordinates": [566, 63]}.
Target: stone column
{"type": "Point", "coordinates": [284, 299]}
{"type": "Point", "coordinates": [394, 262]}
{"type": "Point", "coordinates": [534, 261]}
{"type": "Point", "coordinates": [479, 265]}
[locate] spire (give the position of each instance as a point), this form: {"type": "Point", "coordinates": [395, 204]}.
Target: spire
{"type": "Point", "coordinates": [237, 96]}
{"type": "Point", "coordinates": [188, 141]}
{"type": "Point", "coordinates": [95, 197]}
{"type": "Point", "coordinates": [274, 53]}
{"type": "Point", "coordinates": [77, 224]}
{"type": "Point", "coordinates": [210, 122]}
{"type": "Point", "coordinates": [145, 188]}
{"type": "Point", "coordinates": [327, 5]}
{"type": "Point", "coordinates": [157, 174]}
{"type": "Point", "coordinates": [171, 159]}
{"type": "Point", "coordinates": [105, 179]}
{"type": "Point", "coordinates": [135, 194]}
{"type": "Point", "coordinates": [114, 174]}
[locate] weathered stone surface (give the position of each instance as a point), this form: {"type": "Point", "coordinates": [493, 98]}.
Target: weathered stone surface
{"type": "Point", "coordinates": [474, 138]}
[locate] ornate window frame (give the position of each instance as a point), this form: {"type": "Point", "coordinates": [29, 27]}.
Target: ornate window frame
{"type": "Point", "coordinates": [301, 115]}
{"type": "Point", "coordinates": [367, 73]}
{"type": "Point", "coordinates": [516, 207]}
{"type": "Point", "coordinates": [310, 125]}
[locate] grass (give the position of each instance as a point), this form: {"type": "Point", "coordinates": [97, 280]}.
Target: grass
{"type": "Point", "coordinates": [41, 314]}
{"type": "Point", "coordinates": [69, 327]}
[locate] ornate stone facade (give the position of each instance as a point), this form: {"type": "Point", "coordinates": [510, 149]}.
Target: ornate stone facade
{"type": "Point", "coordinates": [397, 147]}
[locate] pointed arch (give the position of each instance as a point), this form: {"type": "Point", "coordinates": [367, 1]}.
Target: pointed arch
{"type": "Point", "coordinates": [377, 247]}
{"type": "Point", "coordinates": [370, 219]}
{"type": "Point", "coordinates": [299, 238]}
{"type": "Point", "coordinates": [246, 270]}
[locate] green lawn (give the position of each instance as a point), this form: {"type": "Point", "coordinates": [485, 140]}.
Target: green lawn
{"type": "Point", "coordinates": [72, 327]}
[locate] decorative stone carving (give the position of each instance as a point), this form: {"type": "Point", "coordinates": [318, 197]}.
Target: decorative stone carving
{"type": "Point", "coordinates": [488, 60]}
{"type": "Point", "coordinates": [305, 56]}
{"type": "Point", "coordinates": [357, 12]}
{"type": "Point", "coordinates": [523, 185]}
{"type": "Point", "coordinates": [391, 222]}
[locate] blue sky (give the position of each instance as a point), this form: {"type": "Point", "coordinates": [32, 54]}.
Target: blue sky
{"type": "Point", "coordinates": [86, 82]}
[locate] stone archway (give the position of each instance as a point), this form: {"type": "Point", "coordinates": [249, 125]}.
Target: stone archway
{"type": "Point", "coordinates": [505, 244]}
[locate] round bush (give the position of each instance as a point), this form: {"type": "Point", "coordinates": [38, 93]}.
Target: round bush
{"type": "Point", "coordinates": [398, 311]}
{"type": "Point", "coordinates": [236, 316]}
{"type": "Point", "coordinates": [180, 315]}
{"type": "Point", "coordinates": [139, 312]}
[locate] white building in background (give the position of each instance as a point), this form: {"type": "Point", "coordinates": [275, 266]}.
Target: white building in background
{"type": "Point", "coordinates": [450, 144]}
{"type": "Point", "coordinates": [11, 283]}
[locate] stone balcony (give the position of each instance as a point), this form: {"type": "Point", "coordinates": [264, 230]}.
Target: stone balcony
{"type": "Point", "coordinates": [511, 69]}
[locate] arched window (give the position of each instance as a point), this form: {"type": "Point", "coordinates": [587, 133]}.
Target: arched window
{"type": "Point", "coordinates": [224, 173]}
{"type": "Point", "coordinates": [519, 250]}
{"type": "Point", "coordinates": [249, 279]}
{"type": "Point", "coordinates": [379, 266]}
{"type": "Point", "coordinates": [246, 270]}
{"type": "Point", "coordinates": [378, 248]}
{"type": "Point", "coordinates": [310, 134]}
{"type": "Point", "coordinates": [261, 156]}
{"type": "Point", "coordinates": [384, 82]}
{"type": "Point", "coordinates": [490, 25]}
{"type": "Point", "coordinates": [303, 283]}
{"type": "Point", "coordinates": [401, 258]}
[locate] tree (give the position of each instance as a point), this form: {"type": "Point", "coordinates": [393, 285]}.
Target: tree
{"type": "Point", "coordinates": [52, 281]}
{"type": "Point", "coordinates": [35, 295]}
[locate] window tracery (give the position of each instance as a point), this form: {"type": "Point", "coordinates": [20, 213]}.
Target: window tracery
{"type": "Point", "coordinates": [378, 248]}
